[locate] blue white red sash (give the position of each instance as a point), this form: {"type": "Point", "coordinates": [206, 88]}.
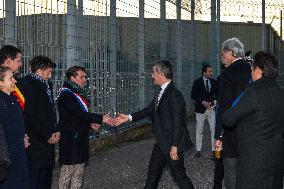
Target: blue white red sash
{"type": "Point", "coordinates": [83, 103]}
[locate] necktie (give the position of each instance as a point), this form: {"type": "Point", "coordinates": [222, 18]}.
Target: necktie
{"type": "Point", "coordinates": [207, 85]}
{"type": "Point", "coordinates": [160, 95]}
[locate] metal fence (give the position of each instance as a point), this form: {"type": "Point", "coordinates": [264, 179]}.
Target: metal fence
{"type": "Point", "coordinates": [118, 41]}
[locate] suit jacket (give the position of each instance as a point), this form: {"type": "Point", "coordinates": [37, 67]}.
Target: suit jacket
{"type": "Point", "coordinates": [169, 125]}
{"type": "Point", "coordinates": [260, 128]}
{"type": "Point", "coordinates": [199, 94]}
{"type": "Point", "coordinates": [40, 120]}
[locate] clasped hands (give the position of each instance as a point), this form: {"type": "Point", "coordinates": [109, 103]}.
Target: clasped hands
{"type": "Point", "coordinates": [121, 118]}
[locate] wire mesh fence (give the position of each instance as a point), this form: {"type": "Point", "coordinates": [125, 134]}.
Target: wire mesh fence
{"type": "Point", "coordinates": [118, 41]}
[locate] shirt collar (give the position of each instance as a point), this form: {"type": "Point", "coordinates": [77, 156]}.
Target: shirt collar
{"type": "Point", "coordinates": [236, 60]}
{"type": "Point", "coordinates": [204, 78]}
{"type": "Point", "coordinates": [164, 86]}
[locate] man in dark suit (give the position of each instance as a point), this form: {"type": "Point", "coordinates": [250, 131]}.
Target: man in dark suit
{"type": "Point", "coordinates": [170, 129]}
{"type": "Point", "coordinates": [40, 120]}
{"type": "Point", "coordinates": [258, 116]}
{"type": "Point", "coordinates": [204, 91]}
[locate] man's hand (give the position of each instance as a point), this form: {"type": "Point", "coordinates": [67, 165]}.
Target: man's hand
{"type": "Point", "coordinates": [173, 153]}
{"type": "Point", "coordinates": [26, 141]}
{"type": "Point", "coordinates": [121, 118]}
{"type": "Point", "coordinates": [95, 126]}
{"type": "Point", "coordinates": [55, 137]}
{"type": "Point", "coordinates": [109, 120]}
{"type": "Point", "coordinates": [218, 145]}
{"type": "Point", "coordinates": [206, 104]}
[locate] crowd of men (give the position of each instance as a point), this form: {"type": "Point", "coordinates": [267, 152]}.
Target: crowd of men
{"type": "Point", "coordinates": [243, 108]}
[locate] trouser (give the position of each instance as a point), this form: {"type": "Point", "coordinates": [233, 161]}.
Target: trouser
{"type": "Point", "coordinates": [200, 119]}
{"type": "Point", "coordinates": [71, 176]}
{"type": "Point", "coordinates": [40, 178]}
{"type": "Point", "coordinates": [155, 169]}
{"type": "Point", "coordinates": [218, 174]}
{"type": "Point", "coordinates": [230, 172]}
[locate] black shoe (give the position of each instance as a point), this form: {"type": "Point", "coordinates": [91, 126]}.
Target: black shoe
{"type": "Point", "coordinates": [197, 154]}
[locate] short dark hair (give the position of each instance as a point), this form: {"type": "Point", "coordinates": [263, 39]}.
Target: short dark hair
{"type": "Point", "coordinates": [8, 51]}
{"type": "Point", "coordinates": [165, 67]}
{"type": "Point", "coordinates": [268, 64]}
{"type": "Point", "coordinates": [41, 62]}
{"type": "Point", "coordinates": [204, 68]}
{"type": "Point", "coordinates": [72, 71]}
{"type": "Point", "coordinates": [3, 71]}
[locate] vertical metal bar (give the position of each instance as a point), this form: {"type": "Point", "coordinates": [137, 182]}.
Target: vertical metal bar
{"type": "Point", "coordinates": [80, 35]}
{"type": "Point", "coordinates": [113, 51]}
{"type": "Point", "coordinates": [70, 24]}
{"type": "Point", "coordinates": [141, 51]}
{"type": "Point", "coordinates": [218, 38]}
{"type": "Point", "coordinates": [263, 38]}
{"type": "Point", "coordinates": [163, 48]}
{"type": "Point", "coordinates": [192, 42]}
{"type": "Point", "coordinates": [178, 43]}
{"type": "Point", "coordinates": [10, 22]}
{"type": "Point", "coordinates": [213, 56]}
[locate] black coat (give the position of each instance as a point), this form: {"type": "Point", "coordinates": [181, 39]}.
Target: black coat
{"type": "Point", "coordinates": [233, 80]}
{"type": "Point", "coordinates": [199, 94]}
{"type": "Point", "coordinates": [169, 125]}
{"type": "Point", "coordinates": [12, 121]}
{"type": "Point", "coordinates": [40, 120]}
{"type": "Point", "coordinates": [260, 129]}
{"type": "Point", "coordinates": [4, 155]}
{"type": "Point", "coordinates": [74, 125]}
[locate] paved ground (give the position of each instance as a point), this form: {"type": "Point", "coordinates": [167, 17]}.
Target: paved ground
{"type": "Point", "coordinates": [125, 166]}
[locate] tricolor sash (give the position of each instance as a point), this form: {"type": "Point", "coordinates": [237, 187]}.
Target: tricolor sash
{"type": "Point", "coordinates": [83, 103]}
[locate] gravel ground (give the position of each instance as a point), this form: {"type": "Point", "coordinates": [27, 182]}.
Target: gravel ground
{"type": "Point", "coordinates": [125, 166]}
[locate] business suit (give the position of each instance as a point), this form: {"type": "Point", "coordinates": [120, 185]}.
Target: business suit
{"type": "Point", "coordinates": [170, 129]}
{"type": "Point", "coordinates": [199, 93]}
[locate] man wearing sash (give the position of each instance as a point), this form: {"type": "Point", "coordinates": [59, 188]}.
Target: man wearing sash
{"type": "Point", "coordinates": [74, 125]}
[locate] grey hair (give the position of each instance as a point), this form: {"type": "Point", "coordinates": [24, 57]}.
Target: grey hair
{"type": "Point", "coordinates": [165, 67]}
{"type": "Point", "coordinates": [234, 45]}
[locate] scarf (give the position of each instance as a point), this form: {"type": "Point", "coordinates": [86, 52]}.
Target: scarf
{"type": "Point", "coordinates": [48, 91]}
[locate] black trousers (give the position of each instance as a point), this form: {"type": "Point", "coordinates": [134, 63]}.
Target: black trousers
{"type": "Point", "coordinates": [218, 174]}
{"type": "Point", "coordinates": [40, 178]}
{"type": "Point", "coordinates": [155, 169]}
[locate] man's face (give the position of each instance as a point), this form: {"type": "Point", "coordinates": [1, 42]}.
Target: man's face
{"type": "Point", "coordinates": [157, 76]}
{"type": "Point", "coordinates": [45, 74]}
{"type": "Point", "coordinates": [227, 58]}
{"type": "Point", "coordinates": [8, 83]}
{"type": "Point", "coordinates": [208, 73]}
{"type": "Point", "coordinates": [14, 64]}
{"type": "Point", "coordinates": [256, 73]}
{"type": "Point", "coordinates": [80, 79]}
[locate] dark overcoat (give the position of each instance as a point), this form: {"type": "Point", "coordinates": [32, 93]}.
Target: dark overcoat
{"type": "Point", "coordinates": [12, 121]}
{"type": "Point", "coordinates": [40, 120]}
{"type": "Point", "coordinates": [260, 129]}
{"type": "Point", "coordinates": [74, 125]}
{"type": "Point", "coordinates": [233, 80]}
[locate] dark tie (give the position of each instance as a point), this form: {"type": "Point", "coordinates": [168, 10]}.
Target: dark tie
{"type": "Point", "coordinates": [207, 85]}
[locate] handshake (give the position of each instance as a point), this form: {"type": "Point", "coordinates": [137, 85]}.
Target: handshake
{"type": "Point", "coordinates": [115, 120]}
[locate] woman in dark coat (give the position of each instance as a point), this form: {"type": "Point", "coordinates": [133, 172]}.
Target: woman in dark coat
{"type": "Point", "coordinates": [12, 121]}
{"type": "Point", "coordinates": [260, 128]}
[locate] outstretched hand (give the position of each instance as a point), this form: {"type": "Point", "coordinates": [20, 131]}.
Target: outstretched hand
{"type": "Point", "coordinates": [109, 120]}
{"type": "Point", "coordinates": [121, 118]}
